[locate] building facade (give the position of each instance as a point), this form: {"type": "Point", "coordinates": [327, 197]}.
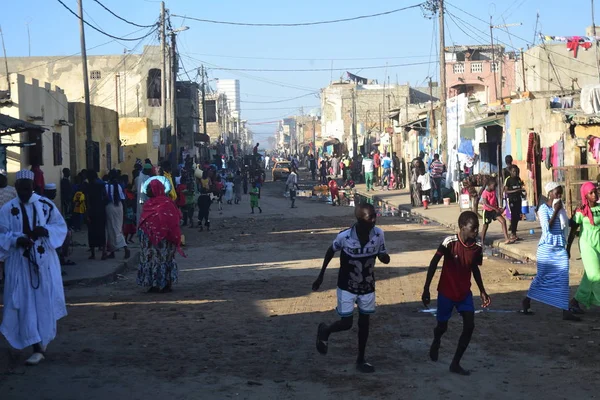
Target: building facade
{"type": "Point", "coordinates": [188, 115]}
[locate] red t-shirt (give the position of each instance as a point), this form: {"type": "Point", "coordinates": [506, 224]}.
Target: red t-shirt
{"type": "Point", "coordinates": [459, 259]}
{"type": "Point", "coordinates": [491, 199]}
{"type": "Point", "coordinates": [333, 187]}
{"type": "Point", "coordinates": [376, 160]}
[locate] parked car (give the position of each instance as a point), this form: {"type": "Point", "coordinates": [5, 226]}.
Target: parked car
{"type": "Point", "coordinates": [281, 170]}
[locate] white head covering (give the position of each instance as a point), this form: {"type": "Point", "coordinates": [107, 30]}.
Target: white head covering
{"type": "Point", "coordinates": [550, 186]}
{"type": "Point", "coordinates": [25, 174]}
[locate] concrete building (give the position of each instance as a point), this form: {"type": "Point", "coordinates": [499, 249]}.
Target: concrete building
{"type": "Point", "coordinates": [107, 153]}
{"type": "Point", "coordinates": [218, 116]}
{"type": "Point", "coordinates": [42, 104]}
{"type": "Point", "coordinates": [188, 115]}
{"type": "Point", "coordinates": [139, 140]}
{"type": "Point", "coordinates": [231, 89]}
{"type": "Point", "coordinates": [486, 73]}
{"type": "Point", "coordinates": [129, 84]}
{"type": "Point", "coordinates": [551, 66]}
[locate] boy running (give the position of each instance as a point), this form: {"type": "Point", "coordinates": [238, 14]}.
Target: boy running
{"type": "Point", "coordinates": [491, 211]}
{"type": "Point", "coordinates": [359, 246]}
{"type": "Point", "coordinates": [462, 255]}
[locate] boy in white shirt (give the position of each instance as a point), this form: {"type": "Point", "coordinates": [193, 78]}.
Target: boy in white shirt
{"type": "Point", "coordinates": [425, 181]}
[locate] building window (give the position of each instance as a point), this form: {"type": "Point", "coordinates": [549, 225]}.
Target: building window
{"type": "Point", "coordinates": [458, 68]}
{"type": "Point", "coordinates": [108, 157]}
{"type": "Point", "coordinates": [57, 148]}
{"type": "Point", "coordinates": [495, 67]}
{"type": "Point", "coordinates": [153, 87]}
{"type": "Point", "coordinates": [476, 67]}
{"type": "Point", "coordinates": [211, 110]}
{"type": "Point", "coordinates": [36, 153]}
{"type": "Point", "coordinates": [95, 75]}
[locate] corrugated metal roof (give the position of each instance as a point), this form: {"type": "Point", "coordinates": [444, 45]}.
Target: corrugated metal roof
{"type": "Point", "coordinates": [10, 125]}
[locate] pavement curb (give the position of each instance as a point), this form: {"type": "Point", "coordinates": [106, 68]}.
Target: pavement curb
{"type": "Point", "coordinates": [107, 278]}
{"type": "Point", "coordinates": [513, 252]}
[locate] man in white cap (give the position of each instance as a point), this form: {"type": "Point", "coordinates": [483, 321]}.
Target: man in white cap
{"type": "Point", "coordinates": [31, 229]}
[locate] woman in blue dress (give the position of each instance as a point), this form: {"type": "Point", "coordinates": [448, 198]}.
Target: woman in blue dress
{"type": "Point", "coordinates": [551, 284]}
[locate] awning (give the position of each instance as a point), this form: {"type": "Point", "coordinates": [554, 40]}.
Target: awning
{"type": "Point", "coordinates": [488, 121]}
{"type": "Point", "coordinates": [417, 124]}
{"type": "Point", "coordinates": [331, 141]}
{"type": "Point", "coordinates": [10, 125]}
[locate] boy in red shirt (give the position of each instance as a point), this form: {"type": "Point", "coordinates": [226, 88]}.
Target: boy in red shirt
{"type": "Point", "coordinates": [491, 211]}
{"type": "Point", "coordinates": [334, 191]}
{"type": "Point", "coordinates": [462, 255]}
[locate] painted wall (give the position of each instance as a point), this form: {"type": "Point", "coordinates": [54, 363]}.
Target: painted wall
{"type": "Point", "coordinates": [48, 104]}
{"type": "Point", "coordinates": [138, 141]}
{"type": "Point", "coordinates": [105, 130]}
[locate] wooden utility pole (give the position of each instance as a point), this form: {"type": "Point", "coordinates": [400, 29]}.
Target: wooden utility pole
{"type": "Point", "coordinates": [523, 70]}
{"type": "Point", "coordinates": [174, 99]}
{"type": "Point", "coordinates": [354, 139]}
{"type": "Point", "coordinates": [204, 101]}
{"type": "Point", "coordinates": [494, 68]}
{"type": "Point", "coordinates": [432, 127]}
{"type": "Point", "coordinates": [444, 127]}
{"type": "Point", "coordinates": [86, 92]}
{"type": "Point", "coordinates": [163, 75]}
{"type": "Point", "coordinates": [595, 41]}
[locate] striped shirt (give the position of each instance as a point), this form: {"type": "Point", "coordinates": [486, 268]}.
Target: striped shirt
{"type": "Point", "coordinates": [437, 169]}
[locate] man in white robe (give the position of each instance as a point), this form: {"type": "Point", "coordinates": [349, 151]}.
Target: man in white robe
{"type": "Point", "coordinates": [31, 229]}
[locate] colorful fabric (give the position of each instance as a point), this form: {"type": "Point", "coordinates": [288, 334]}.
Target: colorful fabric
{"type": "Point", "coordinates": [254, 197]}
{"type": "Point", "coordinates": [551, 284]}
{"type": "Point", "coordinates": [589, 245]}
{"type": "Point", "coordinates": [437, 169]}
{"type": "Point", "coordinates": [586, 208]}
{"type": "Point", "coordinates": [79, 201]}
{"type": "Point", "coordinates": [459, 259]}
{"type": "Point", "coordinates": [491, 201]}
{"type": "Point", "coordinates": [160, 217]}
{"type": "Point", "coordinates": [157, 267]}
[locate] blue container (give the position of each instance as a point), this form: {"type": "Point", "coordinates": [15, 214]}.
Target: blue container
{"type": "Point", "coordinates": [531, 231]}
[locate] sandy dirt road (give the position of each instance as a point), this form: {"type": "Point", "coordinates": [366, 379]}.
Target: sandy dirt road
{"type": "Point", "coordinates": [242, 320]}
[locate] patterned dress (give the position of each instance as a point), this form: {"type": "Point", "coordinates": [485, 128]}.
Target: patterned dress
{"type": "Point", "coordinates": [551, 284]}
{"type": "Point", "coordinates": [157, 263]}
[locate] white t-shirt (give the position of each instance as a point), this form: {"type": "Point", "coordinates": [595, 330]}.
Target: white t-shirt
{"type": "Point", "coordinates": [292, 181]}
{"type": "Point", "coordinates": [425, 181]}
{"type": "Point", "coordinates": [368, 164]}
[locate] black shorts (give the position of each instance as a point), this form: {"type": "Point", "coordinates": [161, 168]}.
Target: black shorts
{"type": "Point", "coordinates": [489, 216]}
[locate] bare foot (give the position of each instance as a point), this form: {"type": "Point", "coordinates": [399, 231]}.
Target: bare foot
{"type": "Point", "coordinates": [457, 369]}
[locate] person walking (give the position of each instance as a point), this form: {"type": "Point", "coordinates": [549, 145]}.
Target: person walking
{"type": "Point", "coordinates": [160, 238]}
{"type": "Point", "coordinates": [367, 164]}
{"type": "Point", "coordinates": [513, 187]}
{"type": "Point", "coordinates": [386, 165]}
{"type": "Point", "coordinates": [114, 217]}
{"type": "Point", "coordinates": [66, 194]}
{"type": "Point", "coordinates": [551, 283]}
{"type": "Point", "coordinates": [237, 187]}
{"type": "Point", "coordinates": [586, 223]}
{"type": "Point", "coordinates": [323, 172]}
{"type": "Point", "coordinates": [96, 211]}
{"type": "Point", "coordinates": [396, 168]}
{"type": "Point", "coordinates": [437, 169]}
{"type": "Point", "coordinates": [34, 298]}
{"type": "Point", "coordinates": [292, 185]}
{"type": "Point", "coordinates": [138, 185]}
{"type": "Point", "coordinates": [312, 166]}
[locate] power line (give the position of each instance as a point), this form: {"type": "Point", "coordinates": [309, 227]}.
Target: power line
{"type": "Point", "coordinates": [333, 21]}
{"type": "Point", "coordinates": [309, 59]}
{"type": "Point", "coordinates": [279, 101]}
{"type": "Point", "coordinates": [101, 31]}
{"type": "Point", "coordinates": [280, 108]}
{"type": "Point", "coordinates": [324, 69]}
{"type": "Point", "coordinates": [123, 19]}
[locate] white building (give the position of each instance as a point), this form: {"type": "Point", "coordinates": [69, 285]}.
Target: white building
{"type": "Point", "coordinates": [231, 89]}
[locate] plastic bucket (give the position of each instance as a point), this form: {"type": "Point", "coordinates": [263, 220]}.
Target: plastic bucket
{"type": "Point", "coordinates": [524, 207]}
{"type": "Point", "coordinates": [446, 201]}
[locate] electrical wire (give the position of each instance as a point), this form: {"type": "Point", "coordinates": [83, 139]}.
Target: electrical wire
{"type": "Point", "coordinates": [300, 23]}
{"type": "Point", "coordinates": [123, 19]}
{"type": "Point", "coordinates": [101, 31]}
{"type": "Point", "coordinates": [279, 101]}
{"type": "Point", "coordinates": [308, 59]}
{"type": "Point", "coordinates": [281, 108]}
{"type": "Point", "coordinates": [323, 69]}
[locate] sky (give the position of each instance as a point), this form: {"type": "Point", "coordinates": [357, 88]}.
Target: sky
{"type": "Point", "coordinates": [404, 44]}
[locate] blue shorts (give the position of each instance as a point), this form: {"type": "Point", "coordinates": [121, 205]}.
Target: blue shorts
{"type": "Point", "coordinates": [445, 306]}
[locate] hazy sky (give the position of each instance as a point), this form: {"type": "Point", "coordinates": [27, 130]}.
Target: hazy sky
{"type": "Point", "coordinates": [397, 39]}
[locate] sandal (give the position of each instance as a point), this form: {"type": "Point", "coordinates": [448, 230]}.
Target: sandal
{"type": "Point", "coordinates": [365, 367]}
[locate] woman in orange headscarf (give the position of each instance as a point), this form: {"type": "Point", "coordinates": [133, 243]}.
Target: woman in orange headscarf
{"type": "Point", "coordinates": [160, 238]}
{"type": "Point", "coordinates": [587, 220]}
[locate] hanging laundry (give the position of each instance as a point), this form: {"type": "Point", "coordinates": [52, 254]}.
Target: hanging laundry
{"type": "Point", "coordinates": [466, 147]}
{"type": "Point", "coordinates": [531, 151]}
{"type": "Point", "coordinates": [567, 102]}
{"type": "Point", "coordinates": [548, 158]}
{"type": "Point", "coordinates": [594, 147]}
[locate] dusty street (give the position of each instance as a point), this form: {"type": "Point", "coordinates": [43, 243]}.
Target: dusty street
{"type": "Point", "coordinates": [242, 320]}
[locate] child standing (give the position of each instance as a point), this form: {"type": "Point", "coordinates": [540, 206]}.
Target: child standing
{"type": "Point", "coordinates": [424, 180]}
{"type": "Point", "coordinates": [129, 228]}
{"type": "Point", "coordinates": [462, 256]}
{"type": "Point", "coordinates": [254, 193]}
{"type": "Point", "coordinates": [491, 211]}
{"type": "Point", "coordinates": [513, 187]}
{"type": "Point", "coordinates": [359, 246]}
{"type": "Point", "coordinates": [78, 210]}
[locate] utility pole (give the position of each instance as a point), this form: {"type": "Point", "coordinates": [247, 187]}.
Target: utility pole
{"type": "Point", "coordinates": [204, 101]}
{"type": "Point", "coordinates": [494, 69]}
{"type": "Point", "coordinates": [314, 120]}
{"type": "Point", "coordinates": [595, 41]}
{"type": "Point", "coordinates": [523, 70]}
{"type": "Point", "coordinates": [5, 60]}
{"type": "Point", "coordinates": [163, 75]}
{"type": "Point", "coordinates": [444, 127]}
{"type": "Point", "coordinates": [354, 140]}
{"type": "Point", "coordinates": [174, 65]}
{"type": "Point", "coordinates": [86, 91]}
{"type": "Point", "coordinates": [432, 128]}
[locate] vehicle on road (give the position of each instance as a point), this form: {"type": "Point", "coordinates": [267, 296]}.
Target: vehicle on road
{"type": "Point", "coordinates": [281, 170]}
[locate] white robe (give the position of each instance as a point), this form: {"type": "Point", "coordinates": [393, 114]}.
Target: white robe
{"type": "Point", "coordinates": [30, 314]}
